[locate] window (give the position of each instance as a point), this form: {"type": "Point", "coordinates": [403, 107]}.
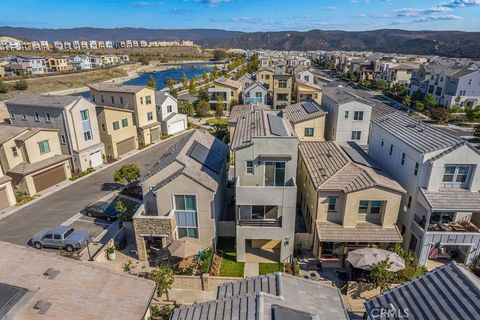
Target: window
{"type": "Point", "coordinates": [121, 100]}
{"type": "Point", "coordinates": [403, 159]}
{"type": "Point", "coordinates": [346, 115]}
{"type": "Point", "coordinates": [383, 143]}
{"type": "Point", "coordinates": [141, 100]}
{"type": "Point", "coordinates": [116, 125]}
{"type": "Point", "coordinates": [391, 150]}
{"type": "Point", "coordinates": [456, 174]}
{"type": "Point", "coordinates": [86, 127]}
{"type": "Point", "coordinates": [14, 152]}
{"type": "Point", "coordinates": [149, 116]}
{"type": "Point", "coordinates": [332, 204]}
{"type": "Point", "coordinates": [275, 174]}
{"type": "Point", "coordinates": [306, 78]}
{"type": "Point", "coordinates": [37, 117]}
{"type": "Point", "coordinates": [103, 100]}
{"type": "Point", "coordinates": [113, 99]}
{"type": "Point", "coordinates": [258, 95]}
{"type": "Point", "coordinates": [264, 212]}
{"type": "Point", "coordinates": [267, 77]}
{"type": "Point", "coordinates": [358, 115]}
{"type": "Point", "coordinates": [356, 135]}
{"type": "Point", "coordinates": [148, 99]}
{"type": "Point", "coordinates": [186, 216]}
{"type": "Point", "coordinates": [282, 84]}
{"type": "Point", "coordinates": [249, 166]}
{"type": "Point", "coordinates": [282, 96]}
{"type": "Point", "coordinates": [62, 139]}
{"type": "Point", "coordinates": [409, 202]}
{"type": "Point", "coordinates": [124, 123]}
{"type": "Point", "coordinates": [47, 117]}
{"type": "Point", "coordinates": [309, 132]}
{"type": "Point", "coordinates": [415, 171]}
{"type": "Point", "coordinates": [169, 108]}
{"type": "Point", "coordinates": [24, 116]}
{"type": "Point", "coordinates": [44, 147]}
{"type": "Point", "coordinates": [93, 98]}
{"type": "Point", "coordinates": [370, 207]}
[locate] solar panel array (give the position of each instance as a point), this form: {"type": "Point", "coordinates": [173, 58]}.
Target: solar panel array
{"type": "Point", "coordinates": [310, 107]}
{"type": "Point", "coordinates": [277, 127]}
{"type": "Point", "coordinates": [359, 156]}
{"type": "Point", "coordinates": [206, 157]}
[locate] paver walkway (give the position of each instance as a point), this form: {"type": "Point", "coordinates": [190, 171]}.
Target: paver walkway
{"type": "Point", "coordinates": [251, 269]}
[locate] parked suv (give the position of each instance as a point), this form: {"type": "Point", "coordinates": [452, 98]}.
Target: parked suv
{"type": "Point", "coordinates": [61, 237]}
{"type": "Point", "coordinates": [104, 210]}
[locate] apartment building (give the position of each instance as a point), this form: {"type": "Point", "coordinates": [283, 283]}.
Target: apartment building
{"type": "Point", "coordinates": [184, 194]}
{"type": "Point", "coordinates": [73, 117]}
{"type": "Point", "coordinates": [32, 157]}
{"type": "Point", "coordinates": [346, 200]}
{"type": "Point", "coordinates": [307, 119]}
{"type": "Point", "coordinates": [167, 113]}
{"type": "Point", "coordinates": [139, 99]}
{"type": "Point", "coordinates": [226, 89]}
{"type": "Point", "coordinates": [265, 152]}
{"type": "Point", "coordinates": [348, 116]}
{"type": "Point", "coordinates": [440, 215]}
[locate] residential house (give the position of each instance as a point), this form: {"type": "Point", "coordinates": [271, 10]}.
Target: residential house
{"type": "Point", "coordinates": [307, 91]}
{"type": "Point", "coordinates": [18, 69]}
{"type": "Point", "coordinates": [184, 194]}
{"type": "Point", "coordinates": [108, 44]}
{"type": "Point", "coordinates": [348, 116]}
{"type": "Point", "coordinates": [135, 44]}
{"type": "Point", "coordinates": [265, 156]}
{"type": "Point", "coordinates": [7, 196]}
{"type": "Point", "coordinates": [307, 119]}
{"type": "Point", "coordinates": [67, 45]}
{"type": "Point", "coordinates": [32, 157]}
{"type": "Point", "coordinates": [26, 46]}
{"type": "Point", "coordinates": [271, 296]}
{"type": "Point", "coordinates": [265, 75]}
{"type": "Point", "coordinates": [36, 46]}
{"type": "Point", "coordinates": [93, 44]}
{"type": "Point", "coordinates": [37, 65]}
{"type": "Point", "coordinates": [239, 111]}
{"type": "Point", "coordinates": [282, 86]}
{"type": "Point", "coordinates": [426, 296]}
{"type": "Point", "coordinates": [255, 93]}
{"type": "Point", "coordinates": [441, 212]}
{"type": "Point", "coordinates": [57, 45]}
{"type": "Point", "coordinates": [73, 117]}
{"type": "Point", "coordinates": [84, 45]}
{"type": "Point", "coordinates": [36, 284]}
{"type": "Point", "coordinates": [76, 45]}
{"type": "Point", "coordinates": [95, 61]}
{"type": "Point", "coordinates": [139, 99]}
{"type": "Point", "coordinates": [399, 74]}
{"type": "Point", "coordinates": [82, 62]}
{"type": "Point", "coordinates": [167, 113]}
{"type": "Point", "coordinates": [247, 79]}
{"type": "Point", "coordinates": [44, 45]}
{"type": "Point", "coordinates": [101, 44]}
{"type": "Point", "coordinates": [58, 64]}
{"type": "Point", "coordinates": [117, 130]}
{"type": "Point", "coordinates": [305, 75]}
{"type": "Point", "coordinates": [346, 200]}
{"type": "Point", "coordinates": [109, 59]}
{"type": "Point", "coordinates": [10, 44]}
{"type": "Point", "coordinates": [226, 89]}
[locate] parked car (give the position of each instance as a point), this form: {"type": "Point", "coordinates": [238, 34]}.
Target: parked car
{"type": "Point", "coordinates": [102, 209]}
{"type": "Point", "coordinates": [59, 237]}
{"type": "Point", "coordinates": [134, 190]}
{"type": "Point", "coordinates": [112, 186]}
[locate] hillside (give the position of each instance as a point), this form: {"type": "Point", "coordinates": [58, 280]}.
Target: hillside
{"type": "Point", "coordinates": [444, 43]}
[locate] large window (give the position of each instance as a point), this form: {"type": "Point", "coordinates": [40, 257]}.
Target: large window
{"type": "Point", "coordinates": [149, 116]}
{"type": "Point", "coordinates": [186, 216]}
{"type": "Point", "coordinates": [358, 115]}
{"type": "Point", "coordinates": [44, 146]}
{"type": "Point", "coordinates": [264, 212]}
{"type": "Point", "coordinates": [282, 84]}
{"type": "Point", "coordinates": [456, 174]}
{"type": "Point", "coordinates": [332, 203]}
{"type": "Point", "coordinates": [370, 207]}
{"type": "Point", "coordinates": [148, 99]}
{"type": "Point", "coordinates": [275, 174]}
{"type": "Point", "coordinates": [249, 165]}
{"type": "Point", "coordinates": [116, 125]}
{"type": "Point", "coordinates": [124, 122]}
{"type": "Point", "coordinates": [309, 132]}
{"type": "Point", "coordinates": [356, 135]}
{"type": "Point", "coordinates": [86, 127]}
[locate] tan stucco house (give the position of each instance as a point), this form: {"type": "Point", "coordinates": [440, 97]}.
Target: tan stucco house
{"type": "Point", "coordinates": [139, 99]}
{"type": "Point", "coordinates": [308, 91]}
{"type": "Point", "coordinates": [229, 90]}
{"type": "Point", "coordinates": [184, 194]}
{"type": "Point", "coordinates": [32, 157]}
{"type": "Point", "coordinates": [265, 76]}
{"type": "Point", "coordinates": [117, 130]}
{"type": "Point", "coordinates": [7, 196]}
{"type": "Point", "coordinates": [307, 119]}
{"type": "Point", "coordinates": [346, 201]}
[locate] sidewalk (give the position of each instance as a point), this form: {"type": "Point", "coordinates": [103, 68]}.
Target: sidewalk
{"type": "Point", "coordinates": [251, 269]}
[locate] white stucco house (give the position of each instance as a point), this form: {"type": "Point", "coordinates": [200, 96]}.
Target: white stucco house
{"type": "Point", "coordinates": [167, 113]}
{"type": "Point", "coordinates": [255, 93]}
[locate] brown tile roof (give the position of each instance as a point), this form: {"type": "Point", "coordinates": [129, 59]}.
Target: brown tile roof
{"type": "Point", "coordinates": [297, 112]}
{"type": "Point", "coordinates": [452, 199]}
{"type": "Point", "coordinates": [228, 82]}
{"type": "Point", "coordinates": [26, 168]}
{"type": "Point", "coordinates": [8, 132]}
{"type": "Point", "coordinates": [43, 100]}
{"type": "Point", "coordinates": [243, 109]}
{"type": "Point", "coordinates": [31, 132]}
{"type": "Point", "coordinates": [108, 87]}
{"type": "Point", "coordinates": [362, 232]}
{"type": "Point", "coordinates": [80, 290]}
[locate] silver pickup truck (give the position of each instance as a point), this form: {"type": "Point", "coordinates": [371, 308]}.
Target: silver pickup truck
{"type": "Point", "coordinates": [61, 237]}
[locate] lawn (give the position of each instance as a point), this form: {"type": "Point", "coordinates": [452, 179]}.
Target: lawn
{"type": "Point", "coordinates": [220, 121]}
{"type": "Point", "coordinates": [266, 268]}
{"type": "Point", "coordinates": [230, 267]}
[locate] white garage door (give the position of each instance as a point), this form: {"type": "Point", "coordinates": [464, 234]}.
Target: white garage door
{"type": "Point", "coordinates": [176, 127]}
{"type": "Point", "coordinates": [96, 158]}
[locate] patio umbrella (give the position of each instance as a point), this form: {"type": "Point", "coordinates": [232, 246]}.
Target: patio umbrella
{"type": "Point", "coordinates": [366, 257]}
{"type": "Point", "coordinates": [184, 248]}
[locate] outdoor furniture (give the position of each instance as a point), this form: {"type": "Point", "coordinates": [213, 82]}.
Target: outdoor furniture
{"type": "Point", "coordinates": [185, 247]}
{"type": "Point", "coordinates": [366, 257]}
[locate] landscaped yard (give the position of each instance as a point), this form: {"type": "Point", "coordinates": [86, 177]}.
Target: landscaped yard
{"type": "Point", "coordinates": [230, 267]}
{"type": "Point", "coordinates": [220, 121]}
{"type": "Point", "coordinates": [266, 268]}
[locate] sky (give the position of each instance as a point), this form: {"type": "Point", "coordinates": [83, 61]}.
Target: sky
{"type": "Point", "coordinates": [245, 15]}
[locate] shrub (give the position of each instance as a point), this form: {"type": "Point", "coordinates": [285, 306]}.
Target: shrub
{"type": "Point", "coordinates": [202, 108]}
{"type": "Point", "coordinates": [3, 87]}
{"type": "Point", "coordinates": [21, 85]}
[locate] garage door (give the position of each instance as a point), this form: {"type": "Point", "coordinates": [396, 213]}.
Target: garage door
{"type": "Point", "coordinates": [176, 127]}
{"type": "Point", "coordinates": [126, 146]}
{"type": "Point", "coordinates": [49, 178]}
{"type": "Point", "coordinates": [96, 158]}
{"type": "Point", "coordinates": [155, 134]}
{"type": "Point", "coordinates": [4, 199]}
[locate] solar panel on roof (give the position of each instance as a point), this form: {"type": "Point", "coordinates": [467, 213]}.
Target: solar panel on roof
{"type": "Point", "coordinates": [9, 296]}
{"type": "Point", "coordinates": [359, 156]}
{"type": "Point", "coordinates": [206, 157]}
{"type": "Point", "coordinates": [277, 127]}
{"type": "Point", "coordinates": [310, 107]}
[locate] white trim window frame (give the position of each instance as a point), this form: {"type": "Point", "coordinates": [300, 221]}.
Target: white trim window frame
{"type": "Point", "coordinates": [186, 217]}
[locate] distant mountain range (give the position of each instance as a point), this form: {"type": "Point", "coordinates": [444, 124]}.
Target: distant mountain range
{"type": "Point", "coordinates": [444, 43]}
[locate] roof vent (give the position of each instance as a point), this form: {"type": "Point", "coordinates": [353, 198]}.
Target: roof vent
{"type": "Point", "coordinates": [329, 154]}
{"type": "Point", "coordinates": [253, 125]}
{"type": "Point", "coordinates": [51, 273]}
{"type": "Point", "coordinates": [42, 306]}
{"type": "Point", "coordinates": [323, 172]}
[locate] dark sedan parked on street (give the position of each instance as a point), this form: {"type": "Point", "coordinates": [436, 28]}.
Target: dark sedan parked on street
{"type": "Point", "coordinates": [103, 210]}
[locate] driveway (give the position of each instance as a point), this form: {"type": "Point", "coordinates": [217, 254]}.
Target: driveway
{"type": "Point", "coordinates": [58, 207]}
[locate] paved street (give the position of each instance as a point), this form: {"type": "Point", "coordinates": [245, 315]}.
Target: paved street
{"type": "Point", "coordinates": [62, 205]}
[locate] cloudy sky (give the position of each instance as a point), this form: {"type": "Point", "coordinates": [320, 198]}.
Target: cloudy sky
{"type": "Point", "coordinates": [245, 15]}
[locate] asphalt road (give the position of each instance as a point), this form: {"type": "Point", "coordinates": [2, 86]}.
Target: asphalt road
{"type": "Point", "coordinates": [58, 207]}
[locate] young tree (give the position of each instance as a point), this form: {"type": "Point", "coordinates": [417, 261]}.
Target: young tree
{"type": "Point", "coordinates": [192, 89]}
{"type": "Point", "coordinates": [127, 173]}
{"type": "Point", "coordinates": [163, 277]}
{"type": "Point", "coordinates": [429, 101]}
{"type": "Point", "coordinates": [21, 85]}
{"type": "Point", "coordinates": [3, 87]}
{"type": "Point", "coordinates": [202, 94]}
{"type": "Point", "coordinates": [184, 80]}
{"type": "Point", "coordinates": [219, 107]}
{"type": "Point", "coordinates": [202, 108]}
{"type": "Point", "coordinates": [380, 275]}
{"type": "Point", "coordinates": [381, 84]}
{"type": "Point", "coordinates": [440, 115]}
{"type": "Point", "coordinates": [419, 106]}
{"type": "Point", "coordinates": [151, 83]}
{"type": "Point", "coordinates": [186, 107]}
{"type": "Point", "coordinates": [412, 268]}
{"type": "Point", "coordinates": [219, 55]}
{"type": "Point", "coordinates": [121, 212]}
{"type": "Point", "coordinates": [144, 61]}
{"type": "Point", "coordinates": [205, 76]}
{"type": "Point", "coordinates": [407, 101]}
{"type": "Point", "coordinates": [170, 84]}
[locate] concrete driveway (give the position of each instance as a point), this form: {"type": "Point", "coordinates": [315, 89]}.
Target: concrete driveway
{"type": "Point", "coordinates": [54, 209]}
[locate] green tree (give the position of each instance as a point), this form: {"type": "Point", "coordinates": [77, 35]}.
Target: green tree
{"type": "Point", "coordinates": [144, 60]}
{"type": "Point", "coordinates": [429, 101]}
{"type": "Point", "coordinates": [380, 276]}
{"type": "Point", "coordinates": [214, 73]}
{"type": "Point", "coordinates": [417, 95]}
{"type": "Point", "coordinates": [253, 64]}
{"type": "Point", "coordinates": [184, 80]}
{"type": "Point", "coordinates": [192, 88]}
{"type": "Point", "coordinates": [151, 83]}
{"type": "Point", "coordinates": [3, 87]}
{"type": "Point", "coordinates": [21, 85]}
{"type": "Point", "coordinates": [186, 107]}
{"type": "Point", "coordinates": [202, 108]}
{"type": "Point", "coordinates": [160, 313]}
{"type": "Point", "coordinates": [170, 84]}
{"type": "Point", "coordinates": [121, 212]}
{"type": "Point", "coordinates": [407, 100]}
{"type": "Point", "coordinates": [381, 84]}
{"type": "Point", "coordinates": [472, 114]}
{"type": "Point", "coordinates": [163, 277]}
{"type": "Point", "coordinates": [440, 115]}
{"type": "Point", "coordinates": [419, 106]}
{"type": "Point", "coordinates": [127, 173]}
{"type": "Point", "coordinates": [412, 268]}
{"type": "Point", "coordinates": [219, 55]}
{"type": "Point", "coordinates": [202, 94]}
{"type": "Point", "coordinates": [205, 76]}
{"type": "Point", "coordinates": [219, 107]}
